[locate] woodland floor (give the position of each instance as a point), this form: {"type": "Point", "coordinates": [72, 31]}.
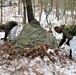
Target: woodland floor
{"type": "Point", "coordinates": [40, 60]}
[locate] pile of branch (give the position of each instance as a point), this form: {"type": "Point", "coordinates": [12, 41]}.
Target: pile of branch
{"type": "Point", "coordinates": [31, 53]}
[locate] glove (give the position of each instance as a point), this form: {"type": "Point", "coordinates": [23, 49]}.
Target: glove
{"type": "Point", "coordinates": [68, 42]}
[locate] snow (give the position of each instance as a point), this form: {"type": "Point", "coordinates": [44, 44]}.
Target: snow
{"type": "Point", "coordinates": [2, 34]}
{"type": "Point", "coordinates": [37, 66]}
{"type": "Point", "coordinates": [50, 50]}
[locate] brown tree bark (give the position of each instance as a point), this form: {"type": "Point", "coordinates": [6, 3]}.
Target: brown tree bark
{"type": "Point", "coordinates": [29, 10]}
{"type": "Point", "coordinates": [1, 12]}
{"type": "Point", "coordinates": [24, 12]}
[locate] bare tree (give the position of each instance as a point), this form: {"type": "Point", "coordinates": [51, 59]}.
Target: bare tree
{"type": "Point", "coordinates": [57, 9]}
{"type": "Point", "coordinates": [24, 12]}
{"type": "Point", "coordinates": [48, 6]}
{"type": "Point", "coordinates": [29, 11]}
{"type": "Point", "coordinates": [1, 12]}
{"type": "Point", "coordinates": [19, 7]}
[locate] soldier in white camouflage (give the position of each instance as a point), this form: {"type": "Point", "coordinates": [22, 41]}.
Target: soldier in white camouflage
{"type": "Point", "coordinates": [7, 28]}
{"type": "Point", "coordinates": [68, 32]}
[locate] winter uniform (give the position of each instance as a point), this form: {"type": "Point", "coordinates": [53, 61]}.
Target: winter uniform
{"type": "Point", "coordinates": [7, 28]}
{"type": "Point", "coordinates": [68, 32]}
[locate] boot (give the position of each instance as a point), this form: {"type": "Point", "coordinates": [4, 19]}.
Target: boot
{"type": "Point", "coordinates": [70, 55]}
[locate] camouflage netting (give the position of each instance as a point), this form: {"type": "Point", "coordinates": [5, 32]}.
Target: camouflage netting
{"type": "Point", "coordinates": [33, 34]}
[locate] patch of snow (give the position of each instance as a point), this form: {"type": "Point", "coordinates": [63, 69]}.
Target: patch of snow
{"type": "Point", "coordinates": [50, 50]}
{"type": "Point", "coordinates": [2, 35]}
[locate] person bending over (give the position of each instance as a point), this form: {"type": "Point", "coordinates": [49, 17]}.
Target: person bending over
{"type": "Point", "coordinates": [7, 28]}
{"type": "Point", "coordinates": [68, 32]}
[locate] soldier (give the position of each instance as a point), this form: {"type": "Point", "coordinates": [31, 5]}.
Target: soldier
{"type": "Point", "coordinates": [7, 28]}
{"type": "Point", "coordinates": [68, 32]}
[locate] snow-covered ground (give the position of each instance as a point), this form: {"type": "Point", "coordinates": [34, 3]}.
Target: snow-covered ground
{"type": "Point", "coordinates": [37, 66]}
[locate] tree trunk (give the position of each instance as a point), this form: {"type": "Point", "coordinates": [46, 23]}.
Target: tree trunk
{"type": "Point", "coordinates": [24, 12]}
{"type": "Point", "coordinates": [34, 6]}
{"type": "Point", "coordinates": [40, 14]}
{"type": "Point", "coordinates": [18, 7]}
{"type": "Point", "coordinates": [72, 8]}
{"type": "Point", "coordinates": [57, 9]}
{"type": "Point", "coordinates": [29, 10]}
{"type": "Point", "coordinates": [1, 11]}
{"type": "Point", "coordinates": [50, 9]}
{"type": "Point", "coordinates": [64, 12]}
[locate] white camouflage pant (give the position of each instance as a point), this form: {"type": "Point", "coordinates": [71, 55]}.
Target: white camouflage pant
{"type": "Point", "coordinates": [73, 47]}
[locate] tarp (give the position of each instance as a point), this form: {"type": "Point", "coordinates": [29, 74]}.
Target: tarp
{"type": "Point", "coordinates": [33, 34]}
